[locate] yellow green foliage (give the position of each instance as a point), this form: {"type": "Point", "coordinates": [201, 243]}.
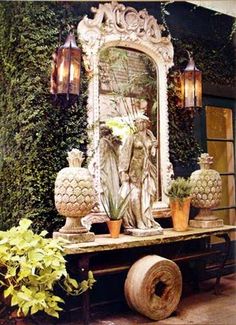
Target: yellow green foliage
{"type": "Point", "coordinates": [30, 266]}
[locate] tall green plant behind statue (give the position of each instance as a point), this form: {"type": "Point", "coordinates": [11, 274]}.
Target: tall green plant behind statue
{"type": "Point", "coordinates": [30, 267]}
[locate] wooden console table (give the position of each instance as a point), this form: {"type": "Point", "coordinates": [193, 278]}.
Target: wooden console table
{"type": "Point", "coordinates": [103, 243]}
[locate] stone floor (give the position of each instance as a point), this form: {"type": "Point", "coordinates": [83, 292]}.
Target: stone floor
{"type": "Point", "coordinates": [202, 308]}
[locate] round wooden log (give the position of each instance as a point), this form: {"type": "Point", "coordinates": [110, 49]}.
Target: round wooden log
{"type": "Point", "coordinates": [153, 286]}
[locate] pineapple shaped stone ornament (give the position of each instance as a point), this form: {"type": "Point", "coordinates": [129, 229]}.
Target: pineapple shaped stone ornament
{"type": "Point", "coordinates": [74, 198]}
{"type": "Point", "coordinates": [206, 193]}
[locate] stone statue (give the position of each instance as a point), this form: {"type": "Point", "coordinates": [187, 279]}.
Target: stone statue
{"type": "Point", "coordinates": [139, 176]}
{"type": "Point", "coordinates": [109, 155]}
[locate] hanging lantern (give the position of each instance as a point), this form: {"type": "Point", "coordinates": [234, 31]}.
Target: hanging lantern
{"type": "Point", "coordinates": [65, 77]}
{"type": "Point", "coordinates": [191, 84]}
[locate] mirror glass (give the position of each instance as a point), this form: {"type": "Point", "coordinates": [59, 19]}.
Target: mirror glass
{"type": "Point", "coordinates": [127, 89]}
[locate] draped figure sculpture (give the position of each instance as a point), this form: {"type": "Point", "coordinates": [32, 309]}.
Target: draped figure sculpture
{"type": "Point", "coordinates": [109, 148]}
{"type": "Point", "coordinates": [139, 176]}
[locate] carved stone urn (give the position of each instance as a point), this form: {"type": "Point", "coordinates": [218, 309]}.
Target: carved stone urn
{"type": "Point", "coordinates": [206, 193]}
{"type": "Point", "coordinates": [74, 198]}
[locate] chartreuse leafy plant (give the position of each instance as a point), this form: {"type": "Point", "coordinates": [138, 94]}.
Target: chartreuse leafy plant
{"type": "Point", "coordinates": [30, 267]}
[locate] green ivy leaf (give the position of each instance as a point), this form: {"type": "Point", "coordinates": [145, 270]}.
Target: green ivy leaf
{"type": "Point", "coordinates": [9, 291]}
{"type": "Point", "coordinates": [25, 224]}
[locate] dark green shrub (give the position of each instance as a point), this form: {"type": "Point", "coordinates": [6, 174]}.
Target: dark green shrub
{"type": "Point", "coordinates": [35, 133]}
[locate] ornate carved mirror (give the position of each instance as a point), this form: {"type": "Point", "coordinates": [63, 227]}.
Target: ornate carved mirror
{"type": "Point", "coordinates": [127, 59]}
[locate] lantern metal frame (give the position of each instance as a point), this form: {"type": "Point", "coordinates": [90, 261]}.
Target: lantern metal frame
{"type": "Point", "coordinates": [66, 60]}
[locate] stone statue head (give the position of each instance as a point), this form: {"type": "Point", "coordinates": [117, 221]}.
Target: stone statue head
{"type": "Point", "coordinates": [141, 122]}
{"type": "Point", "coordinates": [105, 131]}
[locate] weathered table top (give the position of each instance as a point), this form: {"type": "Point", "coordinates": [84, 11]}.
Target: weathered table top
{"type": "Point", "coordinates": [106, 243]}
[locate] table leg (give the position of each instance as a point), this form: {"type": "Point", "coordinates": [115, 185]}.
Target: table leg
{"type": "Point", "coordinates": [224, 259]}
{"type": "Point", "coordinates": [83, 264]}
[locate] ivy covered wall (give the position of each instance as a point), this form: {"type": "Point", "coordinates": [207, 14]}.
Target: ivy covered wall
{"type": "Point", "coordinates": [209, 37]}
{"type": "Point", "coordinates": [35, 134]}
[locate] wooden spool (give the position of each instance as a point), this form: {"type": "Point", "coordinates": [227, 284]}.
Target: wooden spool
{"type": "Point", "coordinates": [153, 286]}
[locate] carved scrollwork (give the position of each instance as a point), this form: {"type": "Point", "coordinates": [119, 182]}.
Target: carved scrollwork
{"type": "Point", "coordinates": [116, 17]}
{"type": "Point", "coordinates": [113, 21]}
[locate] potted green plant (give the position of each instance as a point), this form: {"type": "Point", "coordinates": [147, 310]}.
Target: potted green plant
{"type": "Point", "coordinates": [114, 207]}
{"type": "Point", "coordinates": [179, 193]}
{"type": "Point", "coordinates": [30, 267]}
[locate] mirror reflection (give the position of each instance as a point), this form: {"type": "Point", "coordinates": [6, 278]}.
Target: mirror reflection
{"type": "Point", "coordinates": [128, 132]}
{"type": "Point", "coordinates": [128, 87]}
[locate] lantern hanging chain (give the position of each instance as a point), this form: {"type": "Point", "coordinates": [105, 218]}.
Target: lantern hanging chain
{"type": "Point", "coordinates": [66, 21]}
{"type": "Point", "coordinates": [70, 28]}
{"type": "Point", "coordinates": [190, 54]}
{"type": "Point", "coordinates": [63, 26]}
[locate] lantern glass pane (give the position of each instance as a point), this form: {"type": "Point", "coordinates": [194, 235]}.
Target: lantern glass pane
{"type": "Point", "coordinates": [74, 79]}
{"type": "Point", "coordinates": [192, 88]}
{"type": "Point", "coordinates": [189, 88]}
{"type": "Point", "coordinates": [68, 77]}
{"type": "Point", "coordinates": [63, 70]}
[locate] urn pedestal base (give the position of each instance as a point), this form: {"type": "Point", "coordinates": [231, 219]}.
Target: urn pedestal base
{"type": "Point", "coordinates": [206, 219]}
{"type": "Point", "coordinates": [206, 223]}
{"type": "Point", "coordinates": [143, 232]}
{"type": "Point", "coordinates": [75, 238]}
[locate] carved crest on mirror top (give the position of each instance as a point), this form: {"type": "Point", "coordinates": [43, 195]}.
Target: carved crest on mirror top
{"type": "Point", "coordinates": [115, 25]}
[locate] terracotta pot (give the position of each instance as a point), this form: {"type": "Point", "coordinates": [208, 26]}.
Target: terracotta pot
{"type": "Point", "coordinates": [21, 321]}
{"type": "Point", "coordinates": [114, 227]}
{"type": "Point", "coordinates": [180, 213]}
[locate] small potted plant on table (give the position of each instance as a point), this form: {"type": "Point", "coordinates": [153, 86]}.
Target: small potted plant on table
{"type": "Point", "coordinates": [115, 207]}
{"type": "Point", "coordinates": [30, 267]}
{"type": "Point", "coordinates": [179, 193]}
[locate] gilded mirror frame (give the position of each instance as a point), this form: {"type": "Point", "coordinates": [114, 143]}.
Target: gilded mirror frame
{"type": "Point", "coordinates": [115, 24]}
